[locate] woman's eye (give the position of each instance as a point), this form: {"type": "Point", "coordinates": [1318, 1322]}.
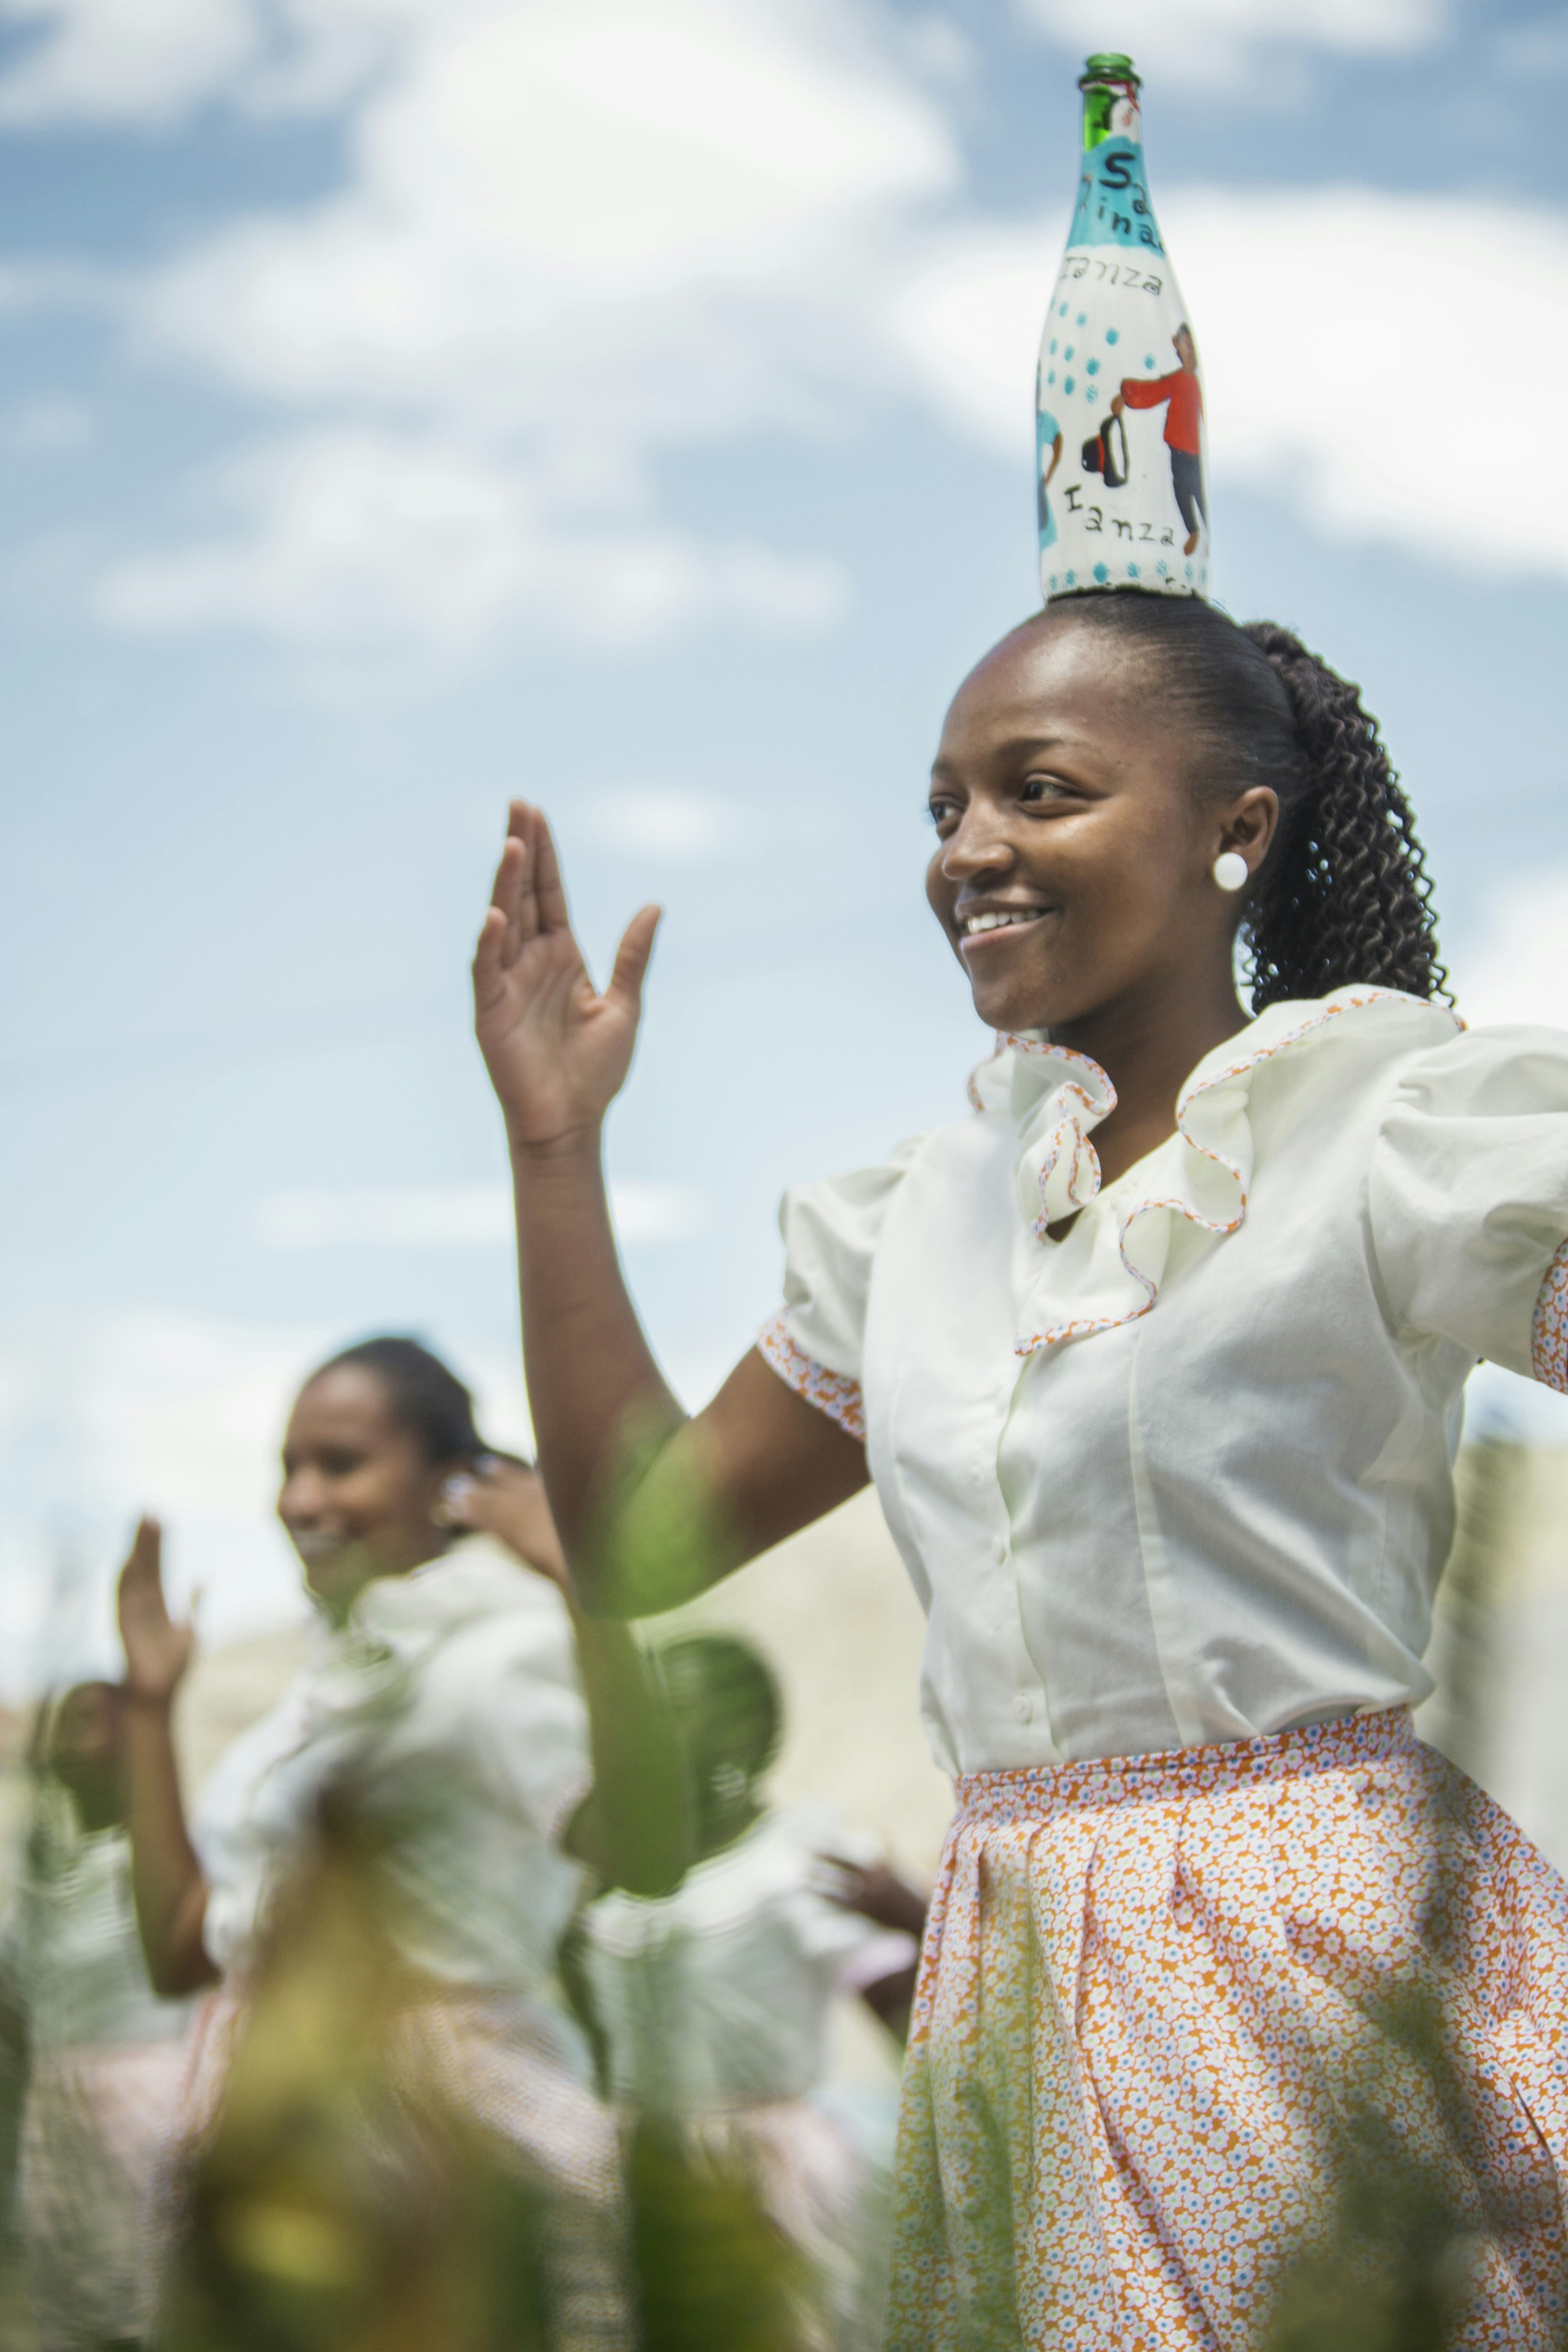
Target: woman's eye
{"type": "Point", "coordinates": [942, 813]}
{"type": "Point", "coordinates": [1043, 788]}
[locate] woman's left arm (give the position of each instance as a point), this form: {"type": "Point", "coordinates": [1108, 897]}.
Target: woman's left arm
{"type": "Point", "coordinates": [635, 1828]}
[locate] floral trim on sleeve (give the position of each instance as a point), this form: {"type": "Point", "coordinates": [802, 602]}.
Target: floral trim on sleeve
{"type": "Point", "coordinates": [831, 1393]}
{"type": "Point", "coordinates": [1548, 1327]}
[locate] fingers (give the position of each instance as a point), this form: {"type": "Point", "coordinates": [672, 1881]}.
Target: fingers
{"type": "Point", "coordinates": [632, 957]}
{"type": "Point", "coordinates": [143, 1567]}
{"type": "Point", "coordinates": [551, 890]}
{"type": "Point", "coordinates": [513, 894]}
{"type": "Point", "coordinates": [490, 966]}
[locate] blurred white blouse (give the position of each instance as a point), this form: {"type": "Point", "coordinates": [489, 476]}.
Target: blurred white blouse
{"type": "Point", "coordinates": [719, 1996]}
{"type": "Point", "coordinates": [1184, 1473]}
{"type": "Point", "coordinates": [70, 1957]}
{"type": "Point", "coordinates": [449, 1703]}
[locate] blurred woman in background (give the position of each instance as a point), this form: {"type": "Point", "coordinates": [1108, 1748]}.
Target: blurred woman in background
{"type": "Point", "coordinates": [102, 2056]}
{"type": "Point", "coordinates": [489, 1752]}
{"type": "Point", "coordinates": [715, 2002]}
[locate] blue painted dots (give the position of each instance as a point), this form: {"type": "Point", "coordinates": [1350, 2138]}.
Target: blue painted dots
{"type": "Point", "coordinates": [1102, 571]}
{"type": "Point", "coordinates": [1067, 383]}
{"type": "Point", "coordinates": [1072, 578]}
{"type": "Point", "coordinates": [1051, 377]}
{"type": "Point", "coordinates": [1053, 347]}
{"type": "Point", "coordinates": [1091, 395]}
{"type": "Point", "coordinates": [1091, 367]}
{"type": "Point", "coordinates": [1133, 572]}
{"type": "Point", "coordinates": [1053, 580]}
{"type": "Point", "coordinates": [1068, 352]}
{"type": "Point", "coordinates": [1148, 358]}
{"type": "Point", "coordinates": [1189, 571]}
{"type": "Point", "coordinates": [1063, 312]}
{"type": "Point", "coordinates": [1083, 318]}
{"type": "Point", "coordinates": [1164, 569]}
{"type": "Point", "coordinates": [1113, 334]}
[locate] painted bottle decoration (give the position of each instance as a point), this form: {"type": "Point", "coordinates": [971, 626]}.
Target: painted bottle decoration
{"type": "Point", "coordinates": [1119, 401]}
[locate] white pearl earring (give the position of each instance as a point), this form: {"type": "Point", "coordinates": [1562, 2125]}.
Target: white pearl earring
{"type": "Point", "coordinates": [1231, 870]}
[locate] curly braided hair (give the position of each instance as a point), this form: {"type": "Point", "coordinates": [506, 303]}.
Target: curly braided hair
{"type": "Point", "coordinates": [1343, 895]}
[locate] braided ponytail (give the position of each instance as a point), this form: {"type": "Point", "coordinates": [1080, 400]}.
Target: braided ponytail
{"type": "Point", "coordinates": [1343, 896]}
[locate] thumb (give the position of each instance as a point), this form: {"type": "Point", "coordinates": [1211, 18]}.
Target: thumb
{"type": "Point", "coordinates": [632, 956]}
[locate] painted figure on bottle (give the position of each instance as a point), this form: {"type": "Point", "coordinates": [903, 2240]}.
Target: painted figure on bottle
{"type": "Point", "coordinates": [1129, 510]}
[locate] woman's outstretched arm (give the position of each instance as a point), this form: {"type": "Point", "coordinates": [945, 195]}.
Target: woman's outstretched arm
{"type": "Point", "coordinates": [166, 1879]}
{"type": "Point", "coordinates": [652, 1506]}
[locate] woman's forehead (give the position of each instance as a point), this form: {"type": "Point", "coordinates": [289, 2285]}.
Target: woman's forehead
{"type": "Point", "coordinates": [1048, 683]}
{"type": "Point", "coordinates": [342, 1397]}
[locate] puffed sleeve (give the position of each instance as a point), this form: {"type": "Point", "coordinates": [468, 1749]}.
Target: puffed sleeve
{"type": "Point", "coordinates": [1468, 1199]}
{"type": "Point", "coordinates": [830, 1233]}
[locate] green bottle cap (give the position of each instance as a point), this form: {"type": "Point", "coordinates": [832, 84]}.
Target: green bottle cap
{"type": "Point", "coordinates": [1109, 68]}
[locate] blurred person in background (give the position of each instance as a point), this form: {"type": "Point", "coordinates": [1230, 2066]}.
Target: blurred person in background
{"type": "Point", "coordinates": [1162, 1423]}
{"type": "Point", "coordinates": [103, 2056]}
{"type": "Point", "coordinates": [497, 1752]}
{"type": "Point", "coordinates": [715, 2002]}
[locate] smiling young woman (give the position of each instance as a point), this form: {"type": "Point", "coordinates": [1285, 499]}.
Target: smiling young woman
{"type": "Point", "coordinates": [497, 1754]}
{"type": "Point", "coordinates": [1162, 1421]}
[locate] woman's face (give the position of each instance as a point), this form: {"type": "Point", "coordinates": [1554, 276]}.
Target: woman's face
{"type": "Point", "coordinates": [359, 1492]}
{"type": "Point", "coordinates": [1074, 864]}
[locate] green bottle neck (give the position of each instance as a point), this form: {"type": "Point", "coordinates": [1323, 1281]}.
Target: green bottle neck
{"type": "Point", "coordinates": [1110, 88]}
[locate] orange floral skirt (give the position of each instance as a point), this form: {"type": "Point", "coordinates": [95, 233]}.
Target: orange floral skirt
{"type": "Point", "coordinates": [1169, 2003]}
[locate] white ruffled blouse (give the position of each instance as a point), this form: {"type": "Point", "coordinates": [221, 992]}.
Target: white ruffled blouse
{"type": "Point", "coordinates": [1184, 1474]}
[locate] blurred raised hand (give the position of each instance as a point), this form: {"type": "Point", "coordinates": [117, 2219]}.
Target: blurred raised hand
{"type": "Point", "coordinates": [557, 1051]}
{"type": "Point", "coordinates": [158, 1650]}
{"type": "Point", "coordinates": [504, 1498]}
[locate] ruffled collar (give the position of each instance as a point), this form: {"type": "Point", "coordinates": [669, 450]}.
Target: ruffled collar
{"type": "Point", "coordinates": [1108, 1269]}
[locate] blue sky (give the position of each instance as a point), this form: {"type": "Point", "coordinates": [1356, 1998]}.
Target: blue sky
{"type": "Point", "coordinates": [626, 401]}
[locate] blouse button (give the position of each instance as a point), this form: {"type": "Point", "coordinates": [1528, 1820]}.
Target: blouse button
{"type": "Point", "coordinates": [998, 1550]}
{"type": "Point", "coordinates": [1023, 1706]}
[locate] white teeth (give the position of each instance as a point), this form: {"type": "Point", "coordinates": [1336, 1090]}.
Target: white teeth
{"type": "Point", "coordinates": [976, 923]}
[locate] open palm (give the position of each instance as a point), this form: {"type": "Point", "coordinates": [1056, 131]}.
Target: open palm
{"type": "Point", "coordinates": [157, 1649]}
{"type": "Point", "coordinates": [557, 1051]}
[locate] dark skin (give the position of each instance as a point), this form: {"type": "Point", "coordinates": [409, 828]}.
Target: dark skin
{"type": "Point", "coordinates": [1062, 793]}
{"type": "Point", "coordinates": [362, 1498]}
{"type": "Point", "coordinates": [84, 1747]}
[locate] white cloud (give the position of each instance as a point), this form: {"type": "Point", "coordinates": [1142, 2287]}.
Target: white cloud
{"type": "Point", "coordinates": [461, 1216]}
{"type": "Point", "coordinates": [1514, 967]}
{"type": "Point", "coordinates": [1369, 353]}
{"type": "Point", "coordinates": [669, 824]}
{"type": "Point", "coordinates": [575, 234]}
{"type": "Point", "coordinates": [123, 60]}
{"type": "Point", "coordinates": [354, 535]}
{"type": "Point", "coordinates": [1219, 41]}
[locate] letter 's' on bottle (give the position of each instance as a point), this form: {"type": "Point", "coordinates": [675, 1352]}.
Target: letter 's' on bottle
{"type": "Point", "coordinates": [1120, 438]}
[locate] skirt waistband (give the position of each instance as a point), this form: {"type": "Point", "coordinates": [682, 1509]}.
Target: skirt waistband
{"type": "Point", "coordinates": [1035, 1792]}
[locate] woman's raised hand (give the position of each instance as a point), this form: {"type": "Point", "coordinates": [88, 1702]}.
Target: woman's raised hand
{"type": "Point", "coordinates": [157, 1650]}
{"type": "Point", "coordinates": [556, 1050]}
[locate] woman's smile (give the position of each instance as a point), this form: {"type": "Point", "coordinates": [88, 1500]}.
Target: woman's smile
{"type": "Point", "coordinates": [984, 925]}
